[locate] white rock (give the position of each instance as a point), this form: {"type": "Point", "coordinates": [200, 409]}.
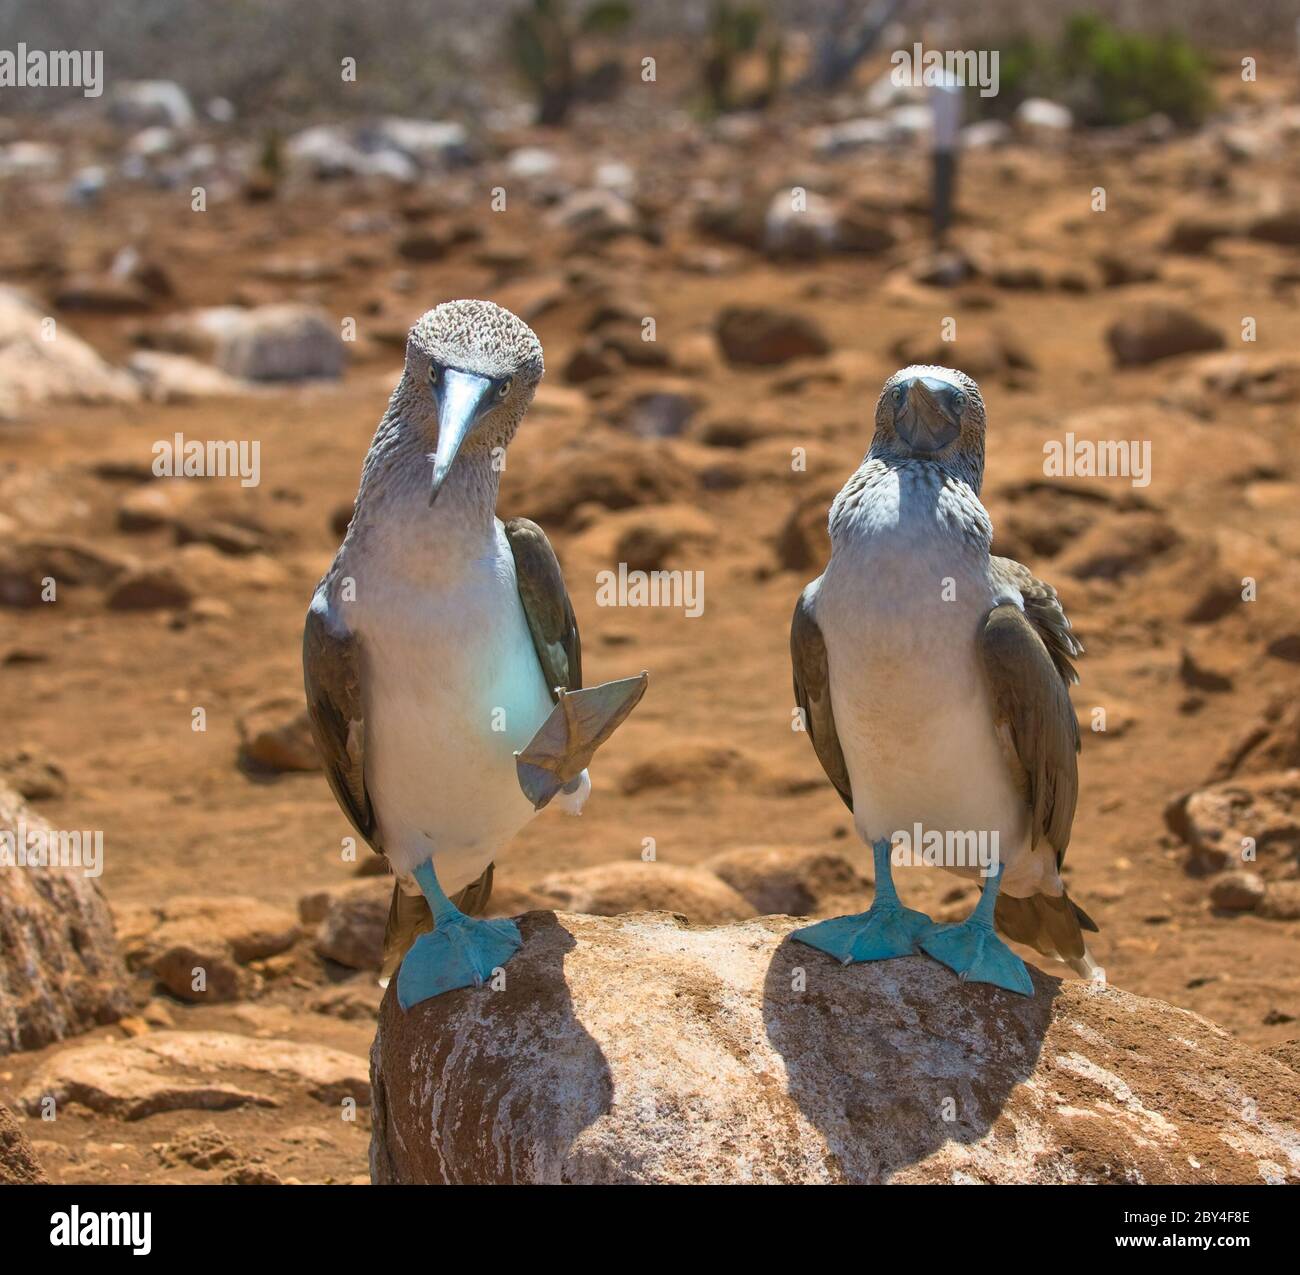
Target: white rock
{"type": "Point", "coordinates": [851, 135]}
{"type": "Point", "coordinates": [177, 378]}
{"type": "Point", "coordinates": [142, 103]}
{"type": "Point", "coordinates": [910, 125]}
{"type": "Point", "coordinates": [805, 232]}
{"type": "Point", "coordinates": [985, 133]}
{"type": "Point", "coordinates": [30, 160]}
{"type": "Point", "coordinates": [34, 370]}
{"type": "Point", "coordinates": [1038, 115]}
{"type": "Point", "coordinates": [613, 174]}
{"type": "Point", "coordinates": [157, 140]}
{"type": "Point", "coordinates": [284, 342]}
{"type": "Point", "coordinates": [430, 143]}
{"type": "Point", "coordinates": [638, 1049]}
{"type": "Point", "coordinates": [323, 150]}
{"type": "Point", "coordinates": [594, 212]}
{"type": "Point", "coordinates": [531, 162]}
{"type": "Point", "coordinates": [327, 151]}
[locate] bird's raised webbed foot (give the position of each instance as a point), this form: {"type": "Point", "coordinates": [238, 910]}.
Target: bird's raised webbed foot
{"type": "Point", "coordinates": [460, 951]}
{"type": "Point", "coordinates": [974, 952]}
{"type": "Point", "coordinates": [567, 740]}
{"type": "Point", "coordinates": [888, 929]}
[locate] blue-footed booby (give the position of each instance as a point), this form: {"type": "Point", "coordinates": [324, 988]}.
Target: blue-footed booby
{"type": "Point", "coordinates": [441, 656]}
{"type": "Point", "coordinates": [933, 681]}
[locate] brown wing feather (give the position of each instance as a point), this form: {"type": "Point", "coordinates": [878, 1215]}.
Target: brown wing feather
{"type": "Point", "coordinates": [812, 692]}
{"type": "Point", "coordinates": [1045, 613]}
{"type": "Point", "coordinates": [551, 621]}
{"type": "Point", "coordinates": [1032, 706]}
{"type": "Point", "coordinates": [331, 665]}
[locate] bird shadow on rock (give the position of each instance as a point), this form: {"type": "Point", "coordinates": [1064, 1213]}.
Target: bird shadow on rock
{"type": "Point", "coordinates": [890, 1060]}
{"type": "Point", "coordinates": [488, 1086]}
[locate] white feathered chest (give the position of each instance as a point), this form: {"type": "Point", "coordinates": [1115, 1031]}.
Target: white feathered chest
{"type": "Point", "coordinates": [901, 605]}
{"type": "Point", "coordinates": [452, 688]}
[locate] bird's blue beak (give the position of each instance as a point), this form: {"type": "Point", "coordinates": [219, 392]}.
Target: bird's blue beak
{"type": "Point", "coordinates": [929, 417]}
{"type": "Point", "coordinates": [462, 398]}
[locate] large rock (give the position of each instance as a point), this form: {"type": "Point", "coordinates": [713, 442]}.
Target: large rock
{"type": "Point", "coordinates": [60, 972]}
{"type": "Point", "coordinates": [176, 378]}
{"type": "Point", "coordinates": [979, 352]}
{"type": "Point", "coordinates": [18, 1166]}
{"type": "Point", "coordinates": [41, 361]}
{"type": "Point", "coordinates": [201, 1071]}
{"type": "Point", "coordinates": [27, 564]}
{"type": "Point", "coordinates": [1160, 332]}
{"type": "Point", "coordinates": [150, 103]}
{"type": "Point", "coordinates": [285, 342]}
{"type": "Point", "coordinates": [792, 880]}
{"type": "Point", "coordinates": [275, 736]}
{"type": "Point", "coordinates": [198, 948]}
{"type": "Point", "coordinates": [638, 1049]}
{"type": "Point", "coordinates": [761, 336]}
{"type": "Point", "coordinates": [351, 929]}
{"type": "Point", "coordinates": [1250, 821]}
{"type": "Point", "coordinates": [804, 540]}
{"type": "Point", "coordinates": [1272, 742]}
{"type": "Point", "coordinates": [604, 472]}
{"type": "Point", "coordinates": [647, 539]}
{"type": "Point", "coordinates": [633, 886]}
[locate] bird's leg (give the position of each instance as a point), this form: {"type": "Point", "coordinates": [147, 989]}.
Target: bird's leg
{"type": "Point", "coordinates": [974, 951]}
{"type": "Point", "coordinates": [460, 951]}
{"type": "Point", "coordinates": [887, 929]}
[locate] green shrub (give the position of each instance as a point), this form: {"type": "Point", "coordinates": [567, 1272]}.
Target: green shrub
{"type": "Point", "coordinates": [1107, 76]}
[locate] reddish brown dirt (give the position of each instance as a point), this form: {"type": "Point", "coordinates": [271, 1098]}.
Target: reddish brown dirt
{"type": "Point", "coordinates": [111, 698]}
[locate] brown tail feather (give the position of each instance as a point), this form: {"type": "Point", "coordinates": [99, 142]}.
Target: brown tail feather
{"type": "Point", "coordinates": [1085, 921]}
{"type": "Point", "coordinates": [409, 917]}
{"type": "Point", "coordinates": [1051, 926]}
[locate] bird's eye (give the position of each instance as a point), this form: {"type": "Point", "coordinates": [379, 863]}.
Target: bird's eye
{"type": "Point", "coordinates": [435, 374]}
{"type": "Point", "coordinates": [898, 393]}
{"type": "Point", "coordinates": [959, 400]}
{"type": "Point", "coordinates": [503, 390]}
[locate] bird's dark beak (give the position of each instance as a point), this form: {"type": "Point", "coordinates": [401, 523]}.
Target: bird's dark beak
{"type": "Point", "coordinates": [929, 418]}
{"type": "Point", "coordinates": [462, 397]}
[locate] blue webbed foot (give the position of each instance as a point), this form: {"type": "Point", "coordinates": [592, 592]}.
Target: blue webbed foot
{"type": "Point", "coordinates": [977, 955]}
{"type": "Point", "coordinates": [460, 952]}
{"type": "Point", "coordinates": [887, 930]}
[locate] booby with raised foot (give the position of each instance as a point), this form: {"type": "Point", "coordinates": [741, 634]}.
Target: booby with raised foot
{"type": "Point", "coordinates": [441, 655]}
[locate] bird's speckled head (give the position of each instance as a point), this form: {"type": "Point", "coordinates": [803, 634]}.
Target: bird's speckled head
{"type": "Point", "coordinates": [479, 337]}
{"type": "Point", "coordinates": [932, 414]}
{"type": "Point", "coordinates": [471, 371]}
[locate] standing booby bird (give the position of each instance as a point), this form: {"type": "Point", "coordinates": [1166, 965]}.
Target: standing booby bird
{"type": "Point", "coordinates": [933, 682]}
{"type": "Point", "coordinates": [441, 654]}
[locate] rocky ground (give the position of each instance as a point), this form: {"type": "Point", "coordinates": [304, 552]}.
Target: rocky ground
{"type": "Point", "coordinates": [716, 447]}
